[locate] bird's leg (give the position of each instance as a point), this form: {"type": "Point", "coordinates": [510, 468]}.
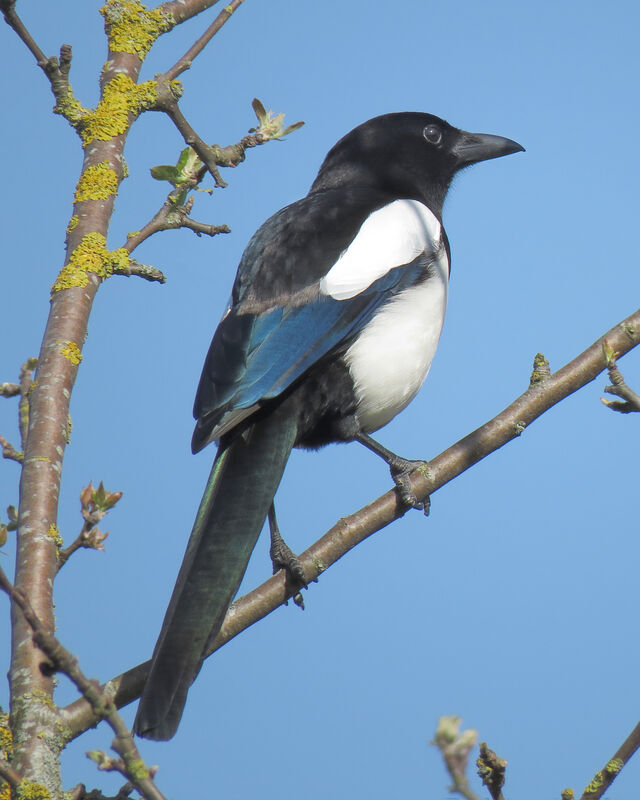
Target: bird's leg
{"type": "Point", "coordinates": [400, 469]}
{"type": "Point", "coordinates": [283, 558]}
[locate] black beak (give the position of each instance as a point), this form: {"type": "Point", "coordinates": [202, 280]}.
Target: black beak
{"type": "Point", "coordinates": [474, 147]}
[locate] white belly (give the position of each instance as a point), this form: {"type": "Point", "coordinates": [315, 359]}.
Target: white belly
{"type": "Point", "coordinates": [392, 356]}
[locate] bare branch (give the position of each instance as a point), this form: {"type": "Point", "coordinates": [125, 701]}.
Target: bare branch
{"type": "Point", "coordinates": [9, 389]}
{"type": "Point", "coordinates": [94, 505]}
{"type": "Point", "coordinates": [185, 62]}
{"type": "Point", "coordinates": [352, 530]}
{"type": "Point", "coordinates": [491, 768]}
{"type": "Point", "coordinates": [603, 779]}
{"type": "Point", "coordinates": [132, 766]}
{"type": "Point", "coordinates": [8, 8]}
{"type": "Point", "coordinates": [9, 452]}
{"type": "Point", "coordinates": [270, 127]}
{"type": "Point", "coordinates": [171, 217]}
{"type": "Point", "coordinates": [89, 538]}
{"type": "Point", "coordinates": [619, 387]}
{"type": "Point", "coordinates": [208, 155]}
{"type": "Point", "coordinates": [26, 382]}
{"type": "Point", "coordinates": [8, 774]}
{"type": "Point", "coordinates": [145, 271]}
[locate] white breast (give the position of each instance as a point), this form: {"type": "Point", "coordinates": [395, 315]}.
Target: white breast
{"type": "Point", "coordinates": [391, 358]}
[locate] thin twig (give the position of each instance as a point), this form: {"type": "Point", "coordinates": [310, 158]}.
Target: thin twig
{"type": "Point", "coordinates": [197, 47]}
{"type": "Point", "coordinates": [352, 530]}
{"type": "Point", "coordinates": [13, 20]}
{"type": "Point", "coordinates": [207, 154]}
{"type": "Point", "coordinates": [171, 217]}
{"type": "Point", "coordinates": [145, 271]}
{"type": "Point", "coordinates": [131, 765]}
{"type": "Point", "coordinates": [26, 381]}
{"type": "Point", "coordinates": [9, 389]}
{"type": "Point", "coordinates": [491, 769]}
{"type": "Point", "coordinates": [82, 541]}
{"type": "Point", "coordinates": [9, 451]}
{"type": "Point", "coordinates": [603, 779]}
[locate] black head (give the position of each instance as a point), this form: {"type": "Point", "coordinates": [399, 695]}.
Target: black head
{"type": "Point", "coordinates": [407, 155]}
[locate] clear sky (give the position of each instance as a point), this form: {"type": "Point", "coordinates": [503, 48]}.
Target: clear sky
{"type": "Point", "coordinates": [514, 604]}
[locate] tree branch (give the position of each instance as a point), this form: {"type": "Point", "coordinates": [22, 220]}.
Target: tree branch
{"type": "Point", "coordinates": [197, 47]}
{"type": "Point", "coordinates": [9, 389]}
{"type": "Point", "coordinates": [491, 769]}
{"type": "Point", "coordinates": [171, 217]}
{"type": "Point", "coordinates": [619, 387]}
{"type": "Point", "coordinates": [130, 765]}
{"type": "Point", "coordinates": [145, 271]}
{"type": "Point", "coordinates": [8, 8]}
{"type": "Point", "coordinates": [603, 779]}
{"type": "Point", "coordinates": [8, 774]}
{"type": "Point", "coordinates": [352, 530]}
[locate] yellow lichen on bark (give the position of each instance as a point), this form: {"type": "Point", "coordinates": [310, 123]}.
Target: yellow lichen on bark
{"type": "Point", "coordinates": [121, 97]}
{"type": "Point", "coordinates": [97, 182]}
{"type": "Point", "coordinates": [71, 352]}
{"type": "Point", "coordinates": [30, 790]}
{"type": "Point", "coordinates": [6, 737]}
{"type": "Point", "coordinates": [133, 28]}
{"type": "Point", "coordinates": [90, 256]}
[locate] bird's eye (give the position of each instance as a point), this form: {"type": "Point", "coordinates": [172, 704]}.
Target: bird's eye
{"type": "Point", "coordinates": [432, 134]}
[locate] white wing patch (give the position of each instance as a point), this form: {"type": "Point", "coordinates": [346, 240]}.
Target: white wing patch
{"type": "Point", "coordinates": [390, 237]}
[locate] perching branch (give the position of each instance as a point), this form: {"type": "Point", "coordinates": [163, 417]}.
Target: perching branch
{"type": "Point", "coordinates": [130, 764]}
{"type": "Point", "coordinates": [351, 530]}
{"type": "Point", "coordinates": [631, 400]}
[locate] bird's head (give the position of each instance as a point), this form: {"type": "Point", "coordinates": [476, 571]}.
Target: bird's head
{"type": "Point", "coordinates": [407, 155]}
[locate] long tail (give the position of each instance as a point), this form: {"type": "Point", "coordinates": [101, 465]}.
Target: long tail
{"type": "Point", "coordinates": [242, 484]}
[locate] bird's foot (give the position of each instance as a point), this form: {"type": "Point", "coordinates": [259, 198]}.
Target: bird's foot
{"type": "Point", "coordinates": [401, 469]}
{"type": "Point", "coordinates": [282, 557]}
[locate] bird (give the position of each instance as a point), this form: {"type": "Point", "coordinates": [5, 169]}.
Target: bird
{"type": "Point", "coordinates": [334, 318]}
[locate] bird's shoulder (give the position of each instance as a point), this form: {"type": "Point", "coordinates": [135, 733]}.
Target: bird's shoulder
{"type": "Point", "coordinates": [296, 247]}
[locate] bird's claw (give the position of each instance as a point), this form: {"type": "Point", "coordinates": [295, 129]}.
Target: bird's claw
{"type": "Point", "coordinates": [282, 557]}
{"type": "Point", "coordinates": [400, 472]}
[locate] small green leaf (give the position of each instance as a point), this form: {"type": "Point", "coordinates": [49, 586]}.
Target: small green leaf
{"type": "Point", "coordinates": [259, 109]}
{"type": "Point", "coordinates": [184, 157]}
{"type": "Point", "coordinates": [165, 172]}
{"type": "Point", "coordinates": [292, 128]}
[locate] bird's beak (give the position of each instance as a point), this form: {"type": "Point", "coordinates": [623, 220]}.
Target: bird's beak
{"type": "Point", "coordinates": [474, 147]}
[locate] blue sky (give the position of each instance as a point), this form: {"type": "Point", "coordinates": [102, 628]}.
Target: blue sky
{"type": "Point", "coordinates": [513, 605]}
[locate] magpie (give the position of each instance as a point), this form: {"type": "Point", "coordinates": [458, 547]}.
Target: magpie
{"type": "Point", "coordinates": [334, 319]}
